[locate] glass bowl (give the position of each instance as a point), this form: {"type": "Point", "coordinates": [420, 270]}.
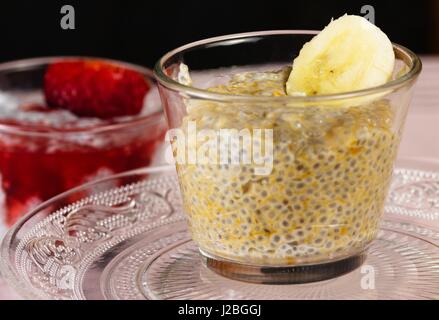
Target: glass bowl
{"type": "Point", "coordinates": [45, 152]}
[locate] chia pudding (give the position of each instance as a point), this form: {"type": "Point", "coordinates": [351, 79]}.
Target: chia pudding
{"type": "Point", "coordinates": [325, 194]}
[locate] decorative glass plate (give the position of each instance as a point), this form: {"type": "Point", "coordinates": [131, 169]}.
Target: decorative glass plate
{"type": "Point", "coordinates": [126, 238]}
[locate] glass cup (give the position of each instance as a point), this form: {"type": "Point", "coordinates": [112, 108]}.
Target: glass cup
{"type": "Point", "coordinates": [286, 189]}
{"type": "Point", "coordinates": [44, 152]}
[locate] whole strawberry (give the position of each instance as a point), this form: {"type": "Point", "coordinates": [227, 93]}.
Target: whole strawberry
{"type": "Point", "coordinates": [94, 88]}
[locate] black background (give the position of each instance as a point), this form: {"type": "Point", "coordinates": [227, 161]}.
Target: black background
{"type": "Point", "coordinates": [141, 32]}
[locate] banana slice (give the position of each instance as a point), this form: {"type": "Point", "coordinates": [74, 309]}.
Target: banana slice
{"type": "Point", "coordinates": [349, 54]}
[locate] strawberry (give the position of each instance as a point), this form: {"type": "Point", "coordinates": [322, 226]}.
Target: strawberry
{"type": "Point", "coordinates": [94, 88]}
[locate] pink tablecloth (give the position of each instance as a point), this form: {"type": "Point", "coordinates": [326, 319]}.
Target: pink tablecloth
{"type": "Point", "coordinates": [421, 137]}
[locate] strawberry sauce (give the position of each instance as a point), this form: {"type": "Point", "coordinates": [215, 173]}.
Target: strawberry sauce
{"type": "Point", "coordinates": [32, 173]}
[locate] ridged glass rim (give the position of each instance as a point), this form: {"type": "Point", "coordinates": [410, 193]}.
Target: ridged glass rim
{"type": "Point", "coordinates": [170, 83]}
{"type": "Point", "coordinates": [43, 131]}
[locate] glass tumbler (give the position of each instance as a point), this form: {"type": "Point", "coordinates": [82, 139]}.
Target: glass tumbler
{"type": "Point", "coordinates": [280, 189]}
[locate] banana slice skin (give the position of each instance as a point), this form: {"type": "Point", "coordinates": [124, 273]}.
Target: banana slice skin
{"type": "Point", "coordinates": [349, 54]}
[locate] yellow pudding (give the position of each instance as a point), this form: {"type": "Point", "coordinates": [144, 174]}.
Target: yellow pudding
{"type": "Point", "coordinates": [324, 196]}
